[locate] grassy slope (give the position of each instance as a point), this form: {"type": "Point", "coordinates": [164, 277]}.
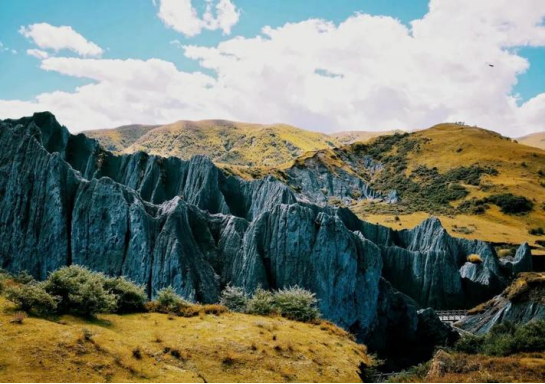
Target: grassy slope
{"type": "Point", "coordinates": [233, 143]}
{"type": "Point", "coordinates": [226, 142]}
{"type": "Point", "coordinates": [225, 348]}
{"type": "Point", "coordinates": [534, 140]}
{"type": "Point", "coordinates": [117, 139]}
{"type": "Point", "coordinates": [461, 368]}
{"type": "Point", "coordinates": [518, 167]}
{"type": "Point", "coordinates": [349, 137]}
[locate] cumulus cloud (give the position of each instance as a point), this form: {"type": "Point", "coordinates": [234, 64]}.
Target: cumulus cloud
{"type": "Point", "coordinates": [181, 16]}
{"type": "Point", "coordinates": [47, 36]}
{"type": "Point", "coordinates": [366, 73]}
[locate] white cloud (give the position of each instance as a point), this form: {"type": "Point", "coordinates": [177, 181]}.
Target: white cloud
{"type": "Point", "coordinates": [181, 16]}
{"type": "Point", "coordinates": [39, 54]}
{"type": "Point", "coordinates": [47, 36]}
{"type": "Point", "coordinates": [367, 73]}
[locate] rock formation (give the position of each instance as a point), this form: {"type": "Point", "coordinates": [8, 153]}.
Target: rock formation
{"type": "Point", "coordinates": [522, 302]}
{"type": "Point", "coordinates": [164, 221]}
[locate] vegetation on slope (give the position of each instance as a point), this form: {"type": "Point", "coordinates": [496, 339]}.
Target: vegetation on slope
{"type": "Point", "coordinates": [117, 139]}
{"type": "Point", "coordinates": [480, 184]}
{"type": "Point", "coordinates": [187, 343]}
{"type": "Point", "coordinates": [225, 142]}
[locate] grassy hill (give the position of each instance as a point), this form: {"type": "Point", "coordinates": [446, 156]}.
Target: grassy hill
{"type": "Point", "coordinates": [225, 142]}
{"type": "Point", "coordinates": [117, 139]}
{"type": "Point", "coordinates": [534, 140]}
{"type": "Point", "coordinates": [153, 347]}
{"type": "Point", "coordinates": [349, 137]}
{"type": "Point", "coordinates": [484, 164]}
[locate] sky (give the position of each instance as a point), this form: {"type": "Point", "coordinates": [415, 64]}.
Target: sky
{"type": "Point", "coordinates": [321, 65]}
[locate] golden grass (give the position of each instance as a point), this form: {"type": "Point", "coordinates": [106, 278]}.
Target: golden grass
{"type": "Point", "coordinates": [461, 368]}
{"type": "Point", "coordinates": [149, 347]}
{"type": "Point", "coordinates": [227, 142]}
{"type": "Point", "coordinates": [475, 259]}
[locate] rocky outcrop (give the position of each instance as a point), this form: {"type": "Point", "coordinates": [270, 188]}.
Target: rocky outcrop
{"type": "Point", "coordinates": [320, 179]}
{"type": "Point", "coordinates": [65, 200]}
{"type": "Point", "coordinates": [522, 302]}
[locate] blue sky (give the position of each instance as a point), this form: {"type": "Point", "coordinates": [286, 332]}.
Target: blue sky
{"type": "Point", "coordinates": [134, 30]}
{"type": "Point", "coordinates": [130, 29]}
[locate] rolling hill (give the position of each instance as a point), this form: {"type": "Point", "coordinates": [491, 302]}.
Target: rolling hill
{"type": "Point", "coordinates": [117, 139]}
{"type": "Point", "coordinates": [225, 142]}
{"type": "Point", "coordinates": [349, 137]}
{"type": "Point", "coordinates": [534, 140]}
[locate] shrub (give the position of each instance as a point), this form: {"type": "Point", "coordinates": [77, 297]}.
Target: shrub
{"type": "Point", "coordinates": [169, 301]}
{"type": "Point", "coordinates": [505, 339]}
{"type": "Point", "coordinates": [81, 291]}
{"type": "Point", "coordinates": [234, 298]}
{"type": "Point", "coordinates": [539, 231]}
{"type": "Point", "coordinates": [33, 297]}
{"type": "Point", "coordinates": [296, 304]}
{"type": "Point", "coordinates": [261, 303]}
{"type": "Point", "coordinates": [470, 344]}
{"type": "Point", "coordinates": [511, 204]}
{"type": "Point", "coordinates": [475, 259]}
{"type": "Point", "coordinates": [130, 297]}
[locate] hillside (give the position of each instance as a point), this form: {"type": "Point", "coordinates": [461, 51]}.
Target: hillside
{"type": "Point", "coordinates": [485, 164]}
{"type": "Point", "coordinates": [117, 139]}
{"type": "Point", "coordinates": [208, 348]}
{"type": "Point", "coordinates": [450, 171]}
{"type": "Point", "coordinates": [349, 137]}
{"type": "Point", "coordinates": [224, 142]}
{"type": "Point", "coordinates": [534, 140]}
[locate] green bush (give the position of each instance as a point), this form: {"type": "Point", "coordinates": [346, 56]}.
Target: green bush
{"type": "Point", "coordinates": [539, 231]}
{"type": "Point", "coordinates": [261, 303]}
{"type": "Point", "coordinates": [505, 339]}
{"type": "Point", "coordinates": [33, 297]}
{"type": "Point", "coordinates": [470, 344]}
{"type": "Point", "coordinates": [511, 204]}
{"type": "Point", "coordinates": [296, 304]}
{"type": "Point", "coordinates": [130, 297]}
{"type": "Point", "coordinates": [169, 301]}
{"type": "Point", "coordinates": [234, 298]}
{"type": "Point", "coordinates": [81, 291]}
{"type": "Point", "coordinates": [530, 337]}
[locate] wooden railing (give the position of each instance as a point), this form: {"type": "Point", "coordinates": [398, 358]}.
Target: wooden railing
{"type": "Point", "coordinates": [451, 316]}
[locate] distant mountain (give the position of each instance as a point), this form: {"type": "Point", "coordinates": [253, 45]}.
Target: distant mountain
{"type": "Point", "coordinates": [534, 140]}
{"type": "Point", "coordinates": [350, 137]}
{"type": "Point", "coordinates": [117, 139]}
{"type": "Point", "coordinates": [225, 142]}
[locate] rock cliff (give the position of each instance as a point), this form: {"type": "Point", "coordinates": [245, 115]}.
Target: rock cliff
{"type": "Point", "coordinates": [522, 302]}
{"type": "Point", "coordinates": [165, 221]}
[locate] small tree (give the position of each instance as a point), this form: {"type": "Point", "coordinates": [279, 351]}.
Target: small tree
{"type": "Point", "coordinates": [33, 297]}
{"type": "Point", "coordinates": [234, 298]}
{"type": "Point", "coordinates": [296, 304]}
{"type": "Point", "coordinates": [169, 301]}
{"type": "Point", "coordinates": [130, 297]}
{"type": "Point", "coordinates": [261, 303]}
{"type": "Point", "coordinates": [81, 291]}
